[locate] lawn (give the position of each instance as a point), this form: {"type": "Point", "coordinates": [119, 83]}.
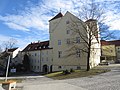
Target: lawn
{"type": "Point", "coordinates": [76, 74]}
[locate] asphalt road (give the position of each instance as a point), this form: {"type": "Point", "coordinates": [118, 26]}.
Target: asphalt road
{"type": "Point", "coordinates": [106, 81]}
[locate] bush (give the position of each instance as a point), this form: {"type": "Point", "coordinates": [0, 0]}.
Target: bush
{"type": "Point", "coordinates": [65, 72]}
{"type": "Point", "coordinates": [71, 70]}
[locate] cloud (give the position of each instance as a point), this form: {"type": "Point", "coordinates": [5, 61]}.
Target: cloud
{"type": "Point", "coordinates": [16, 27]}
{"type": "Point", "coordinates": [34, 18]}
{"type": "Point", "coordinates": [37, 16]}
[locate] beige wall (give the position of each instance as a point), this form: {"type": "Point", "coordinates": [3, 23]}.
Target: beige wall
{"type": "Point", "coordinates": [58, 29]}
{"type": "Point", "coordinates": [108, 50]}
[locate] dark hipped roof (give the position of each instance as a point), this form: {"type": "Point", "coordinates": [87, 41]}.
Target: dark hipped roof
{"type": "Point", "coordinates": [114, 42]}
{"type": "Point", "coordinates": [37, 46]}
{"type": "Point", "coordinates": [12, 49]}
{"type": "Point", "coordinates": [91, 20]}
{"type": "Point", "coordinates": [57, 16]}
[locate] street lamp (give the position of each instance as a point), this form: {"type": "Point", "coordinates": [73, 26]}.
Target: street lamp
{"type": "Point", "coordinates": [7, 68]}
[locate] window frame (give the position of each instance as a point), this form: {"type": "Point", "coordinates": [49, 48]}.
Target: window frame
{"type": "Point", "coordinates": [77, 39]}
{"type": "Point", "coordinates": [59, 42]}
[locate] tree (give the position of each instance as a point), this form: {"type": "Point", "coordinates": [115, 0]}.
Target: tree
{"type": "Point", "coordinates": [26, 63]}
{"type": "Point", "coordinates": [0, 50]}
{"type": "Point", "coordinates": [93, 14]}
{"type": "Point", "coordinates": [10, 43]}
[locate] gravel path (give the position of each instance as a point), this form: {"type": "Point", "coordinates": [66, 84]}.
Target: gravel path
{"type": "Point", "coordinates": [106, 81]}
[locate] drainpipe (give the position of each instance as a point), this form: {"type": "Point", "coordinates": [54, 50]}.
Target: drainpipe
{"type": "Point", "coordinates": [40, 61]}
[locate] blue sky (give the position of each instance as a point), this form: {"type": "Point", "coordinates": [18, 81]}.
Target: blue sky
{"type": "Point", "coordinates": [27, 20]}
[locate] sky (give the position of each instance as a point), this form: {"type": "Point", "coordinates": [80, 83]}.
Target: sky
{"type": "Point", "coordinates": [27, 20]}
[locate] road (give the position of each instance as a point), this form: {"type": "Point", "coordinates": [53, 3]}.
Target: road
{"type": "Point", "coordinates": [105, 81]}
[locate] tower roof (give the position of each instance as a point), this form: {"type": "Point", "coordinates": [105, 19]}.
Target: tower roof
{"type": "Point", "coordinates": [57, 16]}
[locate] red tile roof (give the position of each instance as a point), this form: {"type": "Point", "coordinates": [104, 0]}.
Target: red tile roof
{"type": "Point", "coordinates": [57, 16]}
{"type": "Point", "coordinates": [37, 46]}
{"type": "Point", "coordinates": [103, 42]}
{"type": "Point", "coordinates": [114, 42]}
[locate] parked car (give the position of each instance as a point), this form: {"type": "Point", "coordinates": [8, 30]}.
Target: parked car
{"type": "Point", "coordinates": [104, 62]}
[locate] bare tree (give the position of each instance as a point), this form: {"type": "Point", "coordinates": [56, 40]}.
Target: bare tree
{"type": "Point", "coordinates": [10, 43]}
{"type": "Point", "coordinates": [93, 14]}
{"type": "Point", "coordinates": [0, 49]}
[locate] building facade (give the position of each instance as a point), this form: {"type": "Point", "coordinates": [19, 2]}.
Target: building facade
{"type": "Point", "coordinates": [67, 44]}
{"type": "Point", "coordinates": [65, 49]}
{"type": "Point", "coordinates": [40, 56]}
{"type": "Point", "coordinates": [111, 50]}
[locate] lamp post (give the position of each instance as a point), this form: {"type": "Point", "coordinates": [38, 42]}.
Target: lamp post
{"type": "Point", "coordinates": [7, 68]}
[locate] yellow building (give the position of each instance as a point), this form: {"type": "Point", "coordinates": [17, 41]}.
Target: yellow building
{"type": "Point", "coordinates": [111, 50]}
{"type": "Point", "coordinates": [62, 37]}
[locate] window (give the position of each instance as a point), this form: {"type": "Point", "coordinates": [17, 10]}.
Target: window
{"type": "Point", "coordinates": [59, 42]}
{"type": "Point", "coordinates": [34, 67]}
{"type": "Point", "coordinates": [78, 52]}
{"type": "Point", "coordinates": [111, 50]}
{"type": "Point", "coordinates": [59, 67]}
{"type": "Point", "coordinates": [46, 58]}
{"type": "Point", "coordinates": [59, 54]}
{"type": "Point", "coordinates": [67, 22]}
{"type": "Point", "coordinates": [68, 41]}
{"type": "Point", "coordinates": [37, 67]}
{"type": "Point", "coordinates": [68, 31]}
{"type": "Point", "coordinates": [77, 39]}
{"type": "Point", "coordinates": [42, 59]}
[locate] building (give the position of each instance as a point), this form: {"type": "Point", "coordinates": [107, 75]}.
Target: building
{"type": "Point", "coordinates": [40, 56]}
{"type": "Point", "coordinates": [58, 54]}
{"type": "Point", "coordinates": [111, 50]}
{"type": "Point", "coordinates": [62, 38]}
{"type": "Point", "coordinates": [13, 53]}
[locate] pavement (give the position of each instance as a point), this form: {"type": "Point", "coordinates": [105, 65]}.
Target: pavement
{"type": "Point", "coordinates": [105, 81]}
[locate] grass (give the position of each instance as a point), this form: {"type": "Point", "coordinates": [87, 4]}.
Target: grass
{"type": "Point", "coordinates": [76, 74]}
{"type": "Point", "coordinates": [17, 80]}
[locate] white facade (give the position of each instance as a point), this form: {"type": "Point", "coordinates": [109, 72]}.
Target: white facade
{"type": "Point", "coordinates": [40, 58]}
